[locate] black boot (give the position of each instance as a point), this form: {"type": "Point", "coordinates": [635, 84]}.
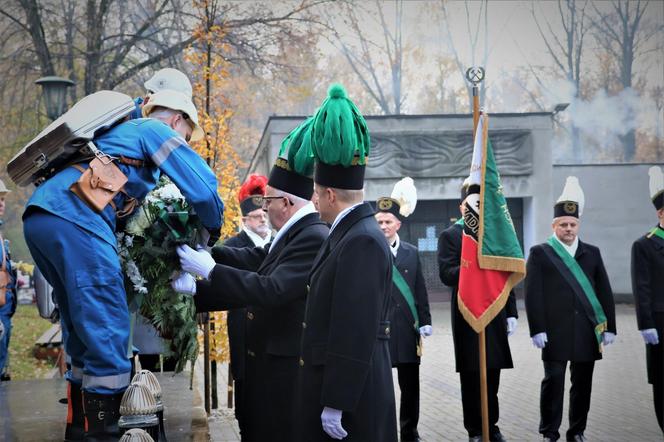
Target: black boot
{"type": "Point", "coordinates": [75, 429]}
{"type": "Point", "coordinates": [102, 412]}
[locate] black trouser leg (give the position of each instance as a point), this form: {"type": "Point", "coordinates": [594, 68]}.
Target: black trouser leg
{"type": "Point", "coordinates": [470, 394]}
{"type": "Point", "coordinates": [470, 400]}
{"type": "Point", "coordinates": [493, 383]}
{"type": "Point", "coordinates": [658, 396]}
{"type": "Point", "coordinates": [409, 412]}
{"type": "Point", "coordinates": [238, 393]}
{"type": "Point", "coordinates": [655, 364]}
{"type": "Point", "coordinates": [581, 375]}
{"type": "Point", "coordinates": [551, 398]}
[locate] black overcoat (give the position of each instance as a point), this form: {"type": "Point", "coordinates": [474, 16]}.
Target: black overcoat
{"type": "Point", "coordinates": [236, 317]}
{"type": "Point", "coordinates": [345, 362]}
{"type": "Point", "coordinates": [274, 295]}
{"type": "Point", "coordinates": [552, 306]}
{"type": "Point", "coordinates": [466, 343]}
{"type": "Point", "coordinates": [648, 289]}
{"type": "Point", "coordinates": [403, 335]}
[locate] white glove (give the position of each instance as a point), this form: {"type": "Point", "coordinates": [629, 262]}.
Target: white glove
{"type": "Point", "coordinates": [512, 324]}
{"type": "Point", "coordinates": [197, 262]}
{"type": "Point", "coordinates": [185, 284]}
{"type": "Point", "coordinates": [650, 336]}
{"type": "Point", "coordinates": [608, 338]}
{"type": "Point", "coordinates": [426, 330]}
{"type": "Point", "coordinates": [540, 340]}
{"type": "Point", "coordinates": [331, 420]}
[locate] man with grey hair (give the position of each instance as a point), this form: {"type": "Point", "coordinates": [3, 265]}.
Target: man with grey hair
{"type": "Point", "coordinates": [271, 283]}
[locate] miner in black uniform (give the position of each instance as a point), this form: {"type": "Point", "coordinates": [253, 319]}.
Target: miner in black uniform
{"type": "Point", "coordinates": [272, 284]}
{"type": "Point", "coordinates": [255, 233]}
{"type": "Point", "coordinates": [571, 314]}
{"type": "Point", "coordinates": [648, 289]}
{"type": "Point", "coordinates": [466, 345]}
{"type": "Point", "coordinates": [346, 389]}
{"type": "Point", "coordinates": [409, 312]}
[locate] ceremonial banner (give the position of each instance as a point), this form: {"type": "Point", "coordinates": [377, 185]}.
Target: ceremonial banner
{"type": "Point", "coordinates": [491, 258]}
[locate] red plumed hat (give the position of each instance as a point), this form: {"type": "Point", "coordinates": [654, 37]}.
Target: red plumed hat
{"type": "Point", "coordinates": [254, 186]}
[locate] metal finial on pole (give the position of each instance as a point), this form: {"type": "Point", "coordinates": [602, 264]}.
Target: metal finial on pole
{"type": "Point", "coordinates": [475, 75]}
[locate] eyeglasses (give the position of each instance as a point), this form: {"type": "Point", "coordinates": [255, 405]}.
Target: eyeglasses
{"type": "Point", "coordinates": [258, 216]}
{"type": "Point", "coordinates": [265, 200]}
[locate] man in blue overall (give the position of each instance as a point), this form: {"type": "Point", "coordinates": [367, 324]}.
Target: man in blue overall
{"type": "Point", "coordinates": [7, 284]}
{"type": "Point", "coordinates": [75, 247]}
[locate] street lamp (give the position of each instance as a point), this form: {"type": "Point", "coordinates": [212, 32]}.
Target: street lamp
{"type": "Point", "coordinates": [560, 107]}
{"type": "Point", "coordinates": [55, 94]}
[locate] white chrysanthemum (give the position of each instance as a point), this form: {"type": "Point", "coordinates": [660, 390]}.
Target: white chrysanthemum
{"type": "Point", "coordinates": [138, 222]}
{"type": "Point", "coordinates": [169, 192]}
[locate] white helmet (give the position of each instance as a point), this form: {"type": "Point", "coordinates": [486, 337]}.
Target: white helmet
{"type": "Point", "coordinates": [3, 188]}
{"type": "Point", "coordinates": [177, 101]}
{"type": "Point", "coordinates": [169, 78]}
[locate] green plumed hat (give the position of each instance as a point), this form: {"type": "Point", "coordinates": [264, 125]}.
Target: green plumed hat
{"type": "Point", "coordinates": [294, 166]}
{"type": "Point", "coordinates": [339, 141]}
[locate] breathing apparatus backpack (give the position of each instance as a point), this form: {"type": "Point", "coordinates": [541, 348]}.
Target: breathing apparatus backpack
{"type": "Point", "coordinates": [69, 138]}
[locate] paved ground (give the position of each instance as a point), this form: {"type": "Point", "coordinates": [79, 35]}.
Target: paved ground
{"type": "Point", "coordinates": [30, 411]}
{"type": "Point", "coordinates": [621, 408]}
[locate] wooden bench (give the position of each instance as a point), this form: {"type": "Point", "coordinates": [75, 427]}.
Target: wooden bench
{"type": "Point", "coordinates": [48, 345]}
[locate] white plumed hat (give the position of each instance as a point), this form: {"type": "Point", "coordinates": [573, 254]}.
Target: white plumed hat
{"type": "Point", "coordinates": [571, 201]}
{"type": "Point", "coordinates": [656, 186]}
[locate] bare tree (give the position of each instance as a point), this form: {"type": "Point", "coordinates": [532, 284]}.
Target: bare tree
{"type": "Point", "coordinates": [364, 56]}
{"type": "Point", "coordinates": [566, 52]}
{"type": "Point", "coordinates": [473, 30]}
{"type": "Point", "coordinates": [110, 41]}
{"type": "Point", "coordinates": [623, 33]}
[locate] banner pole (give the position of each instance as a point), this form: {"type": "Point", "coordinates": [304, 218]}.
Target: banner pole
{"type": "Point", "coordinates": [475, 75]}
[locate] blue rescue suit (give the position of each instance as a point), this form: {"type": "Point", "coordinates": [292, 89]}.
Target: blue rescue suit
{"type": "Point", "coordinates": [75, 247]}
{"type": "Point", "coordinates": [7, 311]}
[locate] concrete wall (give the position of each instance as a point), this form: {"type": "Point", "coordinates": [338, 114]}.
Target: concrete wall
{"type": "Point", "coordinates": [618, 210]}
{"type": "Point", "coordinates": [436, 151]}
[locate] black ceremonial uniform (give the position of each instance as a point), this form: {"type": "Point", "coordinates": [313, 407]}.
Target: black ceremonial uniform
{"type": "Point", "coordinates": [273, 287]}
{"type": "Point", "coordinates": [236, 337]}
{"type": "Point", "coordinates": [648, 289]}
{"type": "Point", "coordinates": [404, 337]}
{"type": "Point", "coordinates": [345, 362]}
{"type": "Point", "coordinates": [553, 307]}
{"type": "Point", "coordinates": [466, 344]}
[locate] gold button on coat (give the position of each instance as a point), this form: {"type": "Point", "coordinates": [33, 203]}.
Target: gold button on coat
{"type": "Point", "coordinates": [301, 362]}
{"type": "Point", "coordinates": [250, 315]}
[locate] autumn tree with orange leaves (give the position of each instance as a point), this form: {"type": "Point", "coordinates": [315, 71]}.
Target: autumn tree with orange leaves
{"type": "Point", "coordinates": [210, 75]}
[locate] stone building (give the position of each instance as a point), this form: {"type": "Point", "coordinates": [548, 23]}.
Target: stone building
{"type": "Point", "coordinates": [436, 151]}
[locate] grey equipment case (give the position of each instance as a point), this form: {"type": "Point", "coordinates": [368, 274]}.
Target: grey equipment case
{"type": "Point", "coordinates": [66, 139]}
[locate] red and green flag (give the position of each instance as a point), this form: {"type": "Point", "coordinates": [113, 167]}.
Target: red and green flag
{"type": "Point", "coordinates": [492, 261]}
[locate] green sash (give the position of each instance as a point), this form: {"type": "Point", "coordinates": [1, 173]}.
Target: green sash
{"type": "Point", "coordinates": [459, 221]}
{"type": "Point", "coordinates": [657, 232]}
{"type": "Point", "coordinates": [597, 315]}
{"type": "Point", "coordinates": [402, 285]}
